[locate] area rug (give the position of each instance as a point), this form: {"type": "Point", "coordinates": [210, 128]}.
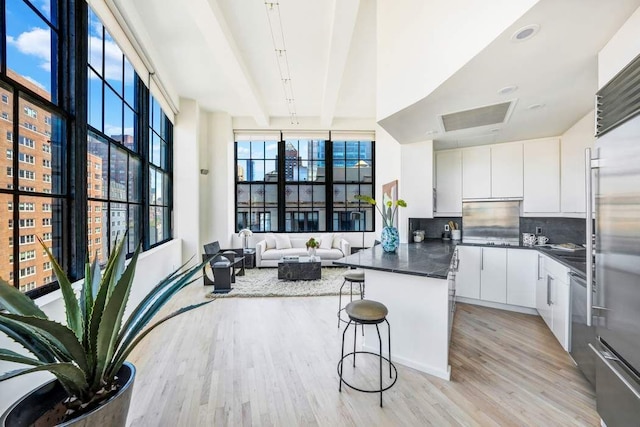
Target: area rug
{"type": "Point", "coordinates": [264, 282]}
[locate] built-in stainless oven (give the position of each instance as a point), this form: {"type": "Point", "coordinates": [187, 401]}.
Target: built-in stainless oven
{"type": "Point", "coordinates": [581, 334]}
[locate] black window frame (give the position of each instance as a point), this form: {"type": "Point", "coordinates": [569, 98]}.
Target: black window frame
{"type": "Point", "coordinates": [365, 212]}
{"type": "Point", "coordinates": [69, 86]}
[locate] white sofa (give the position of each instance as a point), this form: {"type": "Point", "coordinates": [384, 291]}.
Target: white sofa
{"type": "Point", "coordinates": [276, 245]}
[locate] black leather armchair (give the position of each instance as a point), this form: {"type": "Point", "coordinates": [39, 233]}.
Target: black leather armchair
{"type": "Point", "coordinates": [225, 266]}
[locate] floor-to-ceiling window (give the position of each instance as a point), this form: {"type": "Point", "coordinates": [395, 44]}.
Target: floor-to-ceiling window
{"type": "Point", "coordinates": [114, 159]}
{"type": "Point", "coordinates": [352, 164]}
{"type": "Point", "coordinates": [101, 131]}
{"type": "Point", "coordinates": [33, 136]}
{"type": "Point", "coordinates": [304, 181]}
{"type": "Point", "coordinates": [305, 188]}
{"type": "Point", "coordinates": [160, 148]}
{"type": "Point", "coordinates": [257, 180]}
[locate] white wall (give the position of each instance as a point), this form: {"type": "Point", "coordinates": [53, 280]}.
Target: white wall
{"type": "Point", "coordinates": [421, 43]}
{"type": "Point", "coordinates": [620, 50]}
{"type": "Point", "coordinates": [572, 165]}
{"type": "Point", "coordinates": [416, 183]}
{"type": "Point", "coordinates": [153, 265]}
{"type": "Point", "coordinates": [388, 168]}
{"type": "Point", "coordinates": [186, 172]}
{"type": "Point", "coordinates": [217, 192]}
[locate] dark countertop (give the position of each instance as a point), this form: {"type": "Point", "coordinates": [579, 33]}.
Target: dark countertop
{"type": "Point", "coordinates": [568, 259]}
{"type": "Point", "coordinates": [430, 258]}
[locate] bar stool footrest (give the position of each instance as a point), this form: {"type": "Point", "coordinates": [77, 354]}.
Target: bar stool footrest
{"type": "Point", "coordinates": [395, 372]}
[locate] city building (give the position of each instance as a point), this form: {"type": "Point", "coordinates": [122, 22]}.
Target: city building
{"type": "Point", "coordinates": [34, 173]}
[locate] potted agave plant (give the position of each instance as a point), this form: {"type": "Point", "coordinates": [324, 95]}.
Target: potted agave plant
{"type": "Point", "coordinates": [87, 356]}
{"type": "Point", "coordinates": [389, 239]}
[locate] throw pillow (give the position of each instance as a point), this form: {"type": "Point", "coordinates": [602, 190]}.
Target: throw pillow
{"type": "Point", "coordinates": [271, 240]}
{"type": "Point", "coordinates": [326, 240]}
{"type": "Point", "coordinates": [282, 241]}
{"type": "Point", "coordinates": [337, 238]}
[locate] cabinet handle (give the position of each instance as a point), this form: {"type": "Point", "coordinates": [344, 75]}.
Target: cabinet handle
{"type": "Point", "coordinates": [482, 259]}
{"type": "Point", "coordinates": [539, 276]}
{"type": "Point", "coordinates": [606, 359]}
{"type": "Point", "coordinates": [549, 290]}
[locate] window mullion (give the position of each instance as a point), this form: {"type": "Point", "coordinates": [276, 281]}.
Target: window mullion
{"type": "Point", "coordinates": [16, 197]}
{"type": "Point", "coordinates": [282, 180]}
{"type": "Point", "coordinates": [328, 156]}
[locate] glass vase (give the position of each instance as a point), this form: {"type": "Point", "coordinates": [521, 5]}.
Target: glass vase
{"type": "Point", "coordinates": [390, 239]}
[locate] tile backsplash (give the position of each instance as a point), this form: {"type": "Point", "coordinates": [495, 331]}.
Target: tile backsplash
{"type": "Point", "coordinates": [558, 230]}
{"type": "Point", "coordinates": [433, 227]}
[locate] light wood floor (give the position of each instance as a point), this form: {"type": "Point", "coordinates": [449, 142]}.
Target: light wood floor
{"type": "Point", "coordinates": [272, 361]}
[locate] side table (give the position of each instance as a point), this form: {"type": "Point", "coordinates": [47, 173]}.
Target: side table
{"type": "Point", "coordinates": [249, 258]}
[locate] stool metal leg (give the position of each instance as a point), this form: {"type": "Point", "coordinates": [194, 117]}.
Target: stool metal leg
{"type": "Point", "coordinates": [380, 352]}
{"type": "Point", "coordinates": [340, 301]}
{"type": "Point", "coordinates": [342, 354]}
{"type": "Point", "coordinates": [350, 291]}
{"type": "Point", "coordinates": [355, 334]}
{"type": "Point", "coordinates": [361, 297]}
{"type": "Point", "coordinates": [389, 334]}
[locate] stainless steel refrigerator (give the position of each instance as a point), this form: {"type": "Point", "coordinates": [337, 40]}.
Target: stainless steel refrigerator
{"type": "Point", "coordinates": [614, 310]}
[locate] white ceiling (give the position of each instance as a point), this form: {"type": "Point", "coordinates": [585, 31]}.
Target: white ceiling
{"type": "Point", "coordinates": [557, 68]}
{"type": "Point", "coordinates": [221, 53]}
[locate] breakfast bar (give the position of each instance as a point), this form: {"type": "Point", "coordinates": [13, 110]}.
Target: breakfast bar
{"type": "Point", "coordinates": [413, 284]}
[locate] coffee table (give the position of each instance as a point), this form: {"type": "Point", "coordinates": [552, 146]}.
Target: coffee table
{"type": "Point", "coordinates": [305, 268]}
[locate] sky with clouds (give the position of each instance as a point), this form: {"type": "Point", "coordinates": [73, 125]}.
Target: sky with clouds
{"type": "Point", "coordinates": [29, 47]}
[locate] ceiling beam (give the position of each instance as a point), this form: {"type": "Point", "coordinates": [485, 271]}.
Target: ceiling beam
{"type": "Point", "coordinates": [345, 15]}
{"type": "Point", "coordinates": [210, 20]}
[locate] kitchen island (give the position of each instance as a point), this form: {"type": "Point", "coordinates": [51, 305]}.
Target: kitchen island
{"type": "Point", "coordinates": [413, 284]}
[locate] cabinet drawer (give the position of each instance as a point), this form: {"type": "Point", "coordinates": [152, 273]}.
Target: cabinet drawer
{"type": "Point", "coordinates": [558, 271]}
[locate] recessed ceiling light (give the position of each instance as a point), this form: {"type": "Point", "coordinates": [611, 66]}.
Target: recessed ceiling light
{"type": "Point", "coordinates": [507, 90]}
{"type": "Point", "coordinates": [525, 33]}
{"type": "Point", "coordinates": [535, 106]}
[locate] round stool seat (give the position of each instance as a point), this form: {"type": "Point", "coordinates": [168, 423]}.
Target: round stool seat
{"type": "Point", "coordinates": [366, 311]}
{"type": "Point", "coordinates": [354, 275]}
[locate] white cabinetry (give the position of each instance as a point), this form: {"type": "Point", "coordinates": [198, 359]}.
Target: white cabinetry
{"type": "Point", "coordinates": [493, 275]}
{"type": "Point", "coordinates": [468, 275]}
{"type": "Point", "coordinates": [542, 292]}
{"type": "Point", "coordinates": [476, 173]}
{"type": "Point", "coordinates": [492, 172]}
{"type": "Point", "coordinates": [522, 273]}
{"type": "Point", "coordinates": [449, 182]}
{"type": "Point", "coordinates": [499, 275]}
{"type": "Point", "coordinates": [552, 299]}
{"type": "Point", "coordinates": [506, 170]}
{"type": "Point", "coordinates": [542, 176]}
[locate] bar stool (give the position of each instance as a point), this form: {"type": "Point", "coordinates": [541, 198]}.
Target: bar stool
{"type": "Point", "coordinates": [367, 312]}
{"type": "Point", "coordinates": [351, 276]}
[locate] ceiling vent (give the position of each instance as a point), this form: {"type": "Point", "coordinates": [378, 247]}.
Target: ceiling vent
{"type": "Point", "coordinates": [483, 116]}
